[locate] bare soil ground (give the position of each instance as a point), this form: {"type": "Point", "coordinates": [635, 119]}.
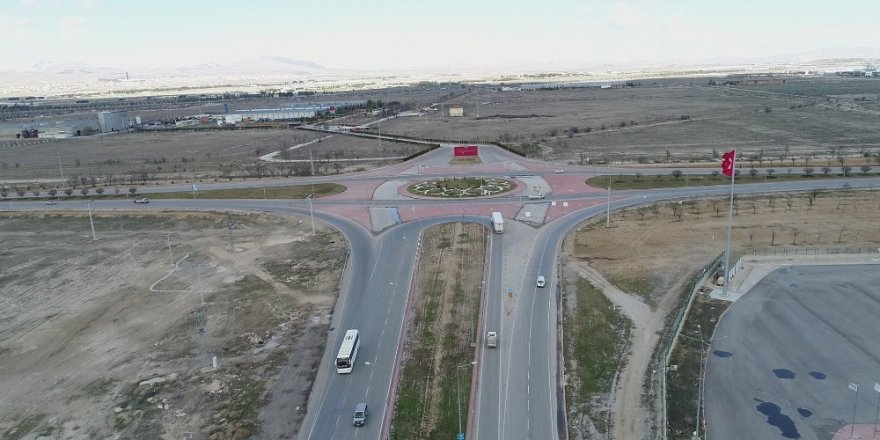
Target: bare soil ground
{"type": "Point", "coordinates": [810, 120]}
{"type": "Point", "coordinates": [179, 155]}
{"type": "Point", "coordinates": [801, 118]}
{"type": "Point", "coordinates": [443, 322]}
{"type": "Point", "coordinates": [108, 339]}
{"type": "Point", "coordinates": [645, 259]}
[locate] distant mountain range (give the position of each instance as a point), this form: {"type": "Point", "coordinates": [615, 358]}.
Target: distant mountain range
{"type": "Point", "coordinates": [275, 65]}
{"type": "Point", "coordinates": [47, 78]}
{"type": "Point", "coordinates": [251, 66]}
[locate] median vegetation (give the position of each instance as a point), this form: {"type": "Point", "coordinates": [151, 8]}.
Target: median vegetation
{"type": "Point", "coordinates": [678, 179]}
{"type": "Point", "coordinates": [435, 384]}
{"type": "Point", "coordinates": [276, 192]}
{"type": "Point", "coordinates": [596, 338]}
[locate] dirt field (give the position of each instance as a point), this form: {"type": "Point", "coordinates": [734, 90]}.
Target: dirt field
{"type": "Point", "coordinates": [445, 310]}
{"type": "Point", "coordinates": [645, 259]}
{"type": "Point", "coordinates": [108, 339]}
{"type": "Point", "coordinates": [685, 117]}
{"type": "Point", "coordinates": [180, 155]}
{"type": "Point", "coordinates": [810, 120]}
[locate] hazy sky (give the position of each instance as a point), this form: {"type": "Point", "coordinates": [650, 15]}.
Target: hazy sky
{"type": "Point", "coordinates": [399, 34]}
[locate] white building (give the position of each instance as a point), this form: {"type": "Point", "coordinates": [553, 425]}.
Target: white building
{"type": "Point", "coordinates": [110, 121]}
{"type": "Point", "coordinates": [456, 112]}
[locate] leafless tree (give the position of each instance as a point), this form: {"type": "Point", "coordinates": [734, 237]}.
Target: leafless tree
{"type": "Point", "coordinates": [36, 193]}
{"type": "Point", "coordinates": [676, 211]}
{"type": "Point", "coordinates": [808, 171]}
{"type": "Point", "coordinates": [865, 170]}
{"type": "Point", "coordinates": [84, 191]}
{"type": "Point", "coordinates": [68, 191]}
{"type": "Point", "coordinates": [772, 237]}
{"type": "Point", "coordinates": [100, 190]}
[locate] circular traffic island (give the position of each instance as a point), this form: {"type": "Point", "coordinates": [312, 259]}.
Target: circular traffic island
{"type": "Point", "coordinates": [460, 187]}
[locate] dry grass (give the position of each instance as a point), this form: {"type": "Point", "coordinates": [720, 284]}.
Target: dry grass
{"type": "Point", "coordinates": [445, 309]}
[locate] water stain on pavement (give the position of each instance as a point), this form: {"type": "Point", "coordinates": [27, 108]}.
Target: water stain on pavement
{"type": "Point", "coordinates": [818, 375]}
{"type": "Point", "coordinates": [804, 412]}
{"type": "Point", "coordinates": [722, 354]}
{"type": "Point", "coordinates": [784, 373]}
{"type": "Point", "coordinates": [776, 418]}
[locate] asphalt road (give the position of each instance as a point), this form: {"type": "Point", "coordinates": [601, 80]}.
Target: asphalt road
{"type": "Point", "coordinates": [519, 390]}
{"type": "Point", "coordinates": [784, 354]}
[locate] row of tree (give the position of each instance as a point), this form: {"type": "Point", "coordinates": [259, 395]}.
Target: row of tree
{"type": "Point", "coordinates": [5, 192]}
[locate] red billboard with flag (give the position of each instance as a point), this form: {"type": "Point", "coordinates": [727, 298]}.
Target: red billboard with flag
{"type": "Point", "coordinates": [467, 150]}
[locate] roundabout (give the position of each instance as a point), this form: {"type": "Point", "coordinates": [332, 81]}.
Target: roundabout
{"type": "Point", "coordinates": [456, 188]}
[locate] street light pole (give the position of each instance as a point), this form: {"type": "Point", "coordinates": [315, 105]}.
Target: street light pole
{"type": "Point", "coordinates": [311, 212]}
{"type": "Point", "coordinates": [170, 254]}
{"type": "Point", "coordinates": [700, 384]}
{"type": "Point", "coordinates": [608, 209]}
{"type": "Point", "coordinates": [91, 222]}
{"type": "Point", "coordinates": [458, 393]}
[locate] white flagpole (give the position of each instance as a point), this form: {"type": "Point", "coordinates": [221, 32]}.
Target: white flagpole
{"type": "Point", "coordinates": [729, 228]}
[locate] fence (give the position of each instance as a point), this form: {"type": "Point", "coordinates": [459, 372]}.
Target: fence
{"type": "Point", "coordinates": [699, 280]}
{"type": "Point", "coordinates": [815, 251]}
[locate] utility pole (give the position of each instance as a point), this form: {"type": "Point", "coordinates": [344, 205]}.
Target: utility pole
{"type": "Point", "coordinates": [170, 254]}
{"type": "Point", "coordinates": [199, 282]}
{"type": "Point", "coordinates": [91, 222]}
{"type": "Point", "coordinates": [608, 209]}
{"type": "Point", "coordinates": [311, 212]}
{"type": "Point", "coordinates": [60, 169]}
{"type": "Point", "coordinates": [229, 225]}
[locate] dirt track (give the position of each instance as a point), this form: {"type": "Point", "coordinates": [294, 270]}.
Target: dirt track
{"type": "Point", "coordinates": [84, 323]}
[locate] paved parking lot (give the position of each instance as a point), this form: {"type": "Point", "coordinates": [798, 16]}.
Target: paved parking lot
{"type": "Point", "coordinates": [783, 356]}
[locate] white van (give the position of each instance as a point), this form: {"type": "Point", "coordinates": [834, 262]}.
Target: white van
{"type": "Point", "coordinates": [491, 339]}
{"type": "Point", "coordinates": [360, 414]}
{"type": "Point", "coordinates": [541, 281]}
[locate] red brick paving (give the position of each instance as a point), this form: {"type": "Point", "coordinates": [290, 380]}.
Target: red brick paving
{"type": "Point", "coordinates": [862, 431]}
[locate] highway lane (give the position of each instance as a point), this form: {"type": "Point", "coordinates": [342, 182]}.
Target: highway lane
{"type": "Point", "coordinates": [375, 306]}
{"type": "Point", "coordinates": [489, 400]}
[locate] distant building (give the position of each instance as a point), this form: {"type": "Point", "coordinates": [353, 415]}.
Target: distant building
{"type": "Point", "coordinates": [110, 121]}
{"type": "Point", "coordinates": [186, 123]}
{"type": "Point", "coordinates": [456, 112]}
{"type": "Point", "coordinates": [275, 114]}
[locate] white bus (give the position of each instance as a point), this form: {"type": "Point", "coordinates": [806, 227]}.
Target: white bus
{"type": "Point", "coordinates": [348, 352]}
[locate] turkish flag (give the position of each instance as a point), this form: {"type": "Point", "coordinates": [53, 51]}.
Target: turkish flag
{"type": "Point", "coordinates": [727, 162]}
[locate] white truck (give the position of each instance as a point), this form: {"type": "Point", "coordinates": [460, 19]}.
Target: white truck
{"type": "Point", "coordinates": [498, 222]}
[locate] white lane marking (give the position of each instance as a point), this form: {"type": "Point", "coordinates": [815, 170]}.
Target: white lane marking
{"type": "Point", "coordinates": [323, 395]}
{"type": "Point", "coordinates": [552, 350]}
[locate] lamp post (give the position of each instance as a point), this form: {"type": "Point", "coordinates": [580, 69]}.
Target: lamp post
{"type": "Point", "coordinates": [311, 212]}
{"type": "Point", "coordinates": [700, 386]}
{"type": "Point", "coordinates": [703, 344]}
{"type": "Point", "coordinates": [458, 395]}
{"type": "Point", "coordinates": [91, 222]}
